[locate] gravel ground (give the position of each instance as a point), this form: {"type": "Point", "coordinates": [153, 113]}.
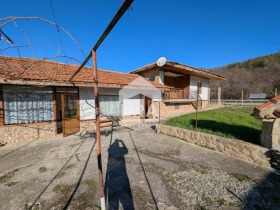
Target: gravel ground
{"type": "Point", "coordinates": [142, 170]}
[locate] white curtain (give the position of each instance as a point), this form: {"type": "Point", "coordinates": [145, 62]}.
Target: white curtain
{"type": "Point", "coordinates": [110, 106]}
{"type": "Point", "coordinates": [26, 105]}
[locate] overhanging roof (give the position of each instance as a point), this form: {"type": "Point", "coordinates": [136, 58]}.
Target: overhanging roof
{"type": "Point", "coordinates": [179, 68]}
{"type": "Point", "coordinates": [28, 71]}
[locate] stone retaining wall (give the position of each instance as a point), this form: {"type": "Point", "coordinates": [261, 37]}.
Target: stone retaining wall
{"type": "Point", "coordinates": [87, 125]}
{"type": "Point", "coordinates": [27, 132]}
{"type": "Point", "coordinates": [232, 147]}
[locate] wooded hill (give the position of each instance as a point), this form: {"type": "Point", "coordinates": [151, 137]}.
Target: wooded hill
{"type": "Point", "coordinates": [261, 74]}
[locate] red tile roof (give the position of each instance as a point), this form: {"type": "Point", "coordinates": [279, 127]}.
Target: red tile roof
{"type": "Point", "coordinates": [265, 105]}
{"type": "Point", "coordinates": [269, 104]}
{"type": "Point", "coordinates": [54, 73]}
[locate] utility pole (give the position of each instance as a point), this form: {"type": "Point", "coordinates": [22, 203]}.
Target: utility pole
{"type": "Point", "coordinates": [92, 55]}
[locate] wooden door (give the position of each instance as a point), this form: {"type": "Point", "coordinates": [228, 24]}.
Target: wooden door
{"type": "Point", "coordinates": [148, 108]}
{"type": "Point", "coordinates": [142, 107]}
{"type": "Point", "coordinates": [70, 113]}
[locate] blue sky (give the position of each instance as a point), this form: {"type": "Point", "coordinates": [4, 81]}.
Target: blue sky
{"type": "Point", "coordinates": [199, 33]}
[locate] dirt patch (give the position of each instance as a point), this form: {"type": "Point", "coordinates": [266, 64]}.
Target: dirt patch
{"type": "Point", "coordinates": [71, 196]}
{"type": "Point", "coordinates": [70, 166]}
{"type": "Point", "coordinates": [77, 157]}
{"type": "Point", "coordinates": [61, 174]}
{"type": "Point", "coordinates": [5, 177]}
{"type": "Point", "coordinates": [174, 151]}
{"type": "Point", "coordinates": [9, 184]}
{"type": "Point", "coordinates": [43, 169]}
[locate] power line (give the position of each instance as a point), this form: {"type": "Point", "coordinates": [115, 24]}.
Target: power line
{"type": "Point", "coordinates": [57, 28]}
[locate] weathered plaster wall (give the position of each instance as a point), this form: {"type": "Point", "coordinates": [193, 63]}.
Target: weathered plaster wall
{"type": "Point", "coordinates": [87, 105]}
{"type": "Point", "coordinates": [235, 148]}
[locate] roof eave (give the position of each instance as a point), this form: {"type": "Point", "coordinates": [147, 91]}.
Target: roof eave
{"type": "Point", "coordinates": [180, 68]}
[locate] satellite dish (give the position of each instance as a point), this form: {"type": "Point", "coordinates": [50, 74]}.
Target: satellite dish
{"type": "Point", "coordinates": [161, 61]}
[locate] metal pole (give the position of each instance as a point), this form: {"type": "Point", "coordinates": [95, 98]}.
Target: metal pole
{"type": "Point", "coordinates": [113, 22]}
{"type": "Point", "coordinates": [98, 141]}
{"type": "Point", "coordinates": [197, 95]}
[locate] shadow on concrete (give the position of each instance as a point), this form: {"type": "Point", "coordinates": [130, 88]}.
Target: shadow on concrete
{"type": "Point", "coordinates": [144, 172]}
{"type": "Point", "coordinates": [117, 186]}
{"type": "Point", "coordinates": [240, 132]}
{"type": "Point", "coordinates": [12, 151]}
{"type": "Point", "coordinates": [74, 191]}
{"type": "Point", "coordinates": [264, 195]}
{"type": "Point", "coordinates": [57, 175]}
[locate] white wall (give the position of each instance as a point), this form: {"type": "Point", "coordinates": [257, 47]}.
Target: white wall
{"type": "Point", "coordinates": [204, 85]}
{"type": "Point", "coordinates": [130, 100]}
{"type": "Point", "coordinates": [87, 110]}
{"type": "Point", "coordinates": [131, 105]}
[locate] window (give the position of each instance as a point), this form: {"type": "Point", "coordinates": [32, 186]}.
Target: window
{"type": "Point", "coordinates": [24, 104]}
{"type": "Point", "coordinates": [110, 106]}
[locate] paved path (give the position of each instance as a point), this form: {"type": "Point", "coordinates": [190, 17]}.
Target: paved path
{"type": "Point", "coordinates": [144, 170]}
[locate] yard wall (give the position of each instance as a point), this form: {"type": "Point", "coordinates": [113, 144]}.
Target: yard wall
{"type": "Point", "coordinates": [87, 125]}
{"type": "Point", "coordinates": [27, 132]}
{"type": "Point", "coordinates": [235, 148]}
{"type": "Point", "coordinates": [169, 110]}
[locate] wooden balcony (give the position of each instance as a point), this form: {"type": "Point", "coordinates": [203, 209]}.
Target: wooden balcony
{"type": "Point", "coordinates": [178, 95]}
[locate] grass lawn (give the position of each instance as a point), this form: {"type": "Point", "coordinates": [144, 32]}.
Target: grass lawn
{"type": "Point", "coordinates": [231, 122]}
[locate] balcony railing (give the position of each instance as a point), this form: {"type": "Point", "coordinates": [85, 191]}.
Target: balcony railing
{"type": "Point", "coordinates": [177, 93]}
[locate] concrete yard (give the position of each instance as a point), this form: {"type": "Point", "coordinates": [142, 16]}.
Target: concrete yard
{"type": "Point", "coordinates": [144, 170]}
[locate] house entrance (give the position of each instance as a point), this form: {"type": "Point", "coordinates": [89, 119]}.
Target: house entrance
{"type": "Point", "coordinates": [67, 112]}
{"type": "Point", "coordinates": [145, 106]}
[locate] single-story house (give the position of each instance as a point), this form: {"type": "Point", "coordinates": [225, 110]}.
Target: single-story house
{"type": "Point", "coordinates": [184, 80]}
{"type": "Point", "coordinates": [38, 100]}
{"type": "Point", "coordinates": [42, 98]}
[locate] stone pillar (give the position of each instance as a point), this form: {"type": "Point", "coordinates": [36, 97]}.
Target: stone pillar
{"type": "Point", "coordinates": [219, 96]}
{"type": "Point", "coordinates": [270, 134]}
{"type": "Point", "coordinates": [209, 94]}
{"type": "Point", "coordinates": [275, 93]}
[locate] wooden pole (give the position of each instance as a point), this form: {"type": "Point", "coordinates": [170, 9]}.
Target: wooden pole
{"type": "Point", "coordinates": [275, 93]}
{"type": "Point", "coordinates": [159, 101]}
{"type": "Point", "coordinates": [98, 141]}
{"type": "Point", "coordinates": [219, 96]}
{"type": "Point", "coordinates": [197, 95]}
{"type": "Point", "coordinates": [242, 97]}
